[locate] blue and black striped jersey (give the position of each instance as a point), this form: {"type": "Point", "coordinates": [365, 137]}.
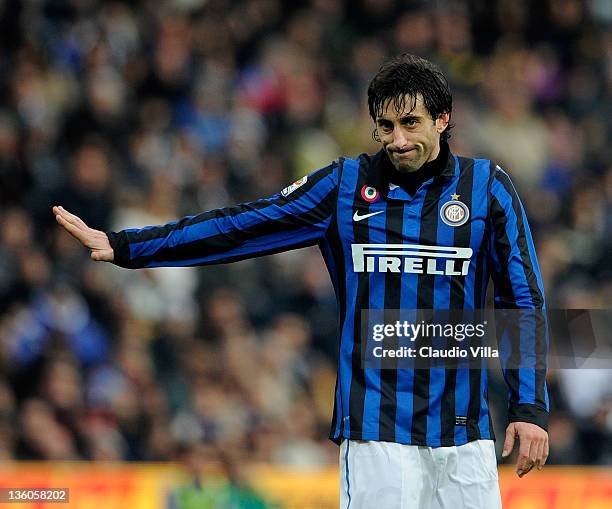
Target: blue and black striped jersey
{"type": "Point", "coordinates": [356, 216]}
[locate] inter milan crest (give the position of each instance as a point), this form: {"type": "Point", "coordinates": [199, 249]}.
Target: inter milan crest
{"type": "Point", "coordinates": [454, 212]}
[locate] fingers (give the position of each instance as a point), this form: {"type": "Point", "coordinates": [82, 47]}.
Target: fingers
{"type": "Point", "coordinates": [74, 225]}
{"type": "Point", "coordinates": [95, 240]}
{"type": "Point", "coordinates": [75, 219]}
{"type": "Point", "coordinates": [509, 441]}
{"type": "Point", "coordinates": [533, 453]}
{"type": "Point", "coordinates": [526, 468]}
{"type": "Point", "coordinates": [534, 458]}
{"type": "Point", "coordinates": [71, 218]}
{"type": "Point", "coordinates": [539, 454]}
{"type": "Point", "coordinates": [525, 463]}
{"type": "Point", "coordinates": [71, 228]}
{"type": "Point", "coordinates": [542, 453]}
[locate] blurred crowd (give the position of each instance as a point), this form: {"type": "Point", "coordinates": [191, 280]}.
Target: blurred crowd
{"type": "Point", "coordinates": [131, 113]}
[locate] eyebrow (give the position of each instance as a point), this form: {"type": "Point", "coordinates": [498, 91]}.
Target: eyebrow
{"type": "Point", "coordinates": [404, 118]}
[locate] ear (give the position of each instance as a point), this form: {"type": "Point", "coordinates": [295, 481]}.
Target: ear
{"type": "Point", "coordinates": [442, 122]}
{"type": "Point", "coordinates": [375, 135]}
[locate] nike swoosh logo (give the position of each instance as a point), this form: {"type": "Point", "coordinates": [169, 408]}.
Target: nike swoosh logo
{"type": "Point", "coordinates": [357, 217]}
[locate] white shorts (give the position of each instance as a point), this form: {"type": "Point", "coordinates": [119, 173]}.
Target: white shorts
{"type": "Point", "coordinates": [386, 475]}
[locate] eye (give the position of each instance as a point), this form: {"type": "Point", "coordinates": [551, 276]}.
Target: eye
{"type": "Point", "coordinates": [385, 127]}
{"type": "Point", "coordinates": [410, 122]}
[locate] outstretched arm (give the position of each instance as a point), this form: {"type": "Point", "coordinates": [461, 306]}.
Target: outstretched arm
{"type": "Point", "coordinates": [298, 216]}
{"type": "Point", "coordinates": [95, 240]}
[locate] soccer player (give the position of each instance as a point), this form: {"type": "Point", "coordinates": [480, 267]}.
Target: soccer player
{"type": "Point", "coordinates": [412, 227]}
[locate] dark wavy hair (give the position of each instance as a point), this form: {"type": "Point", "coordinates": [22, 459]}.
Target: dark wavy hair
{"type": "Point", "coordinates": [401, 78]}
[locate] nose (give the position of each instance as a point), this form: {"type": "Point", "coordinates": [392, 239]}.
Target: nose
{"type": "Point", "coordinates": [400, 140]}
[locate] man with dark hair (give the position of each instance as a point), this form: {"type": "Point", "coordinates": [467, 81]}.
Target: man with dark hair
{"type": "Point", "coordinates": [402, 78]}
{"type": "Point", "coordinates": [411, 227]}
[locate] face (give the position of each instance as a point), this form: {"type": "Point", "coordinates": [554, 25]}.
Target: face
{"type": "Point", "coordinates": [410, 138]}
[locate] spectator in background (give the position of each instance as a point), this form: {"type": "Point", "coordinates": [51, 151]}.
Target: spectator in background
{"type": "Point", "coordinates": [206, 492]}
{"type": "Point", "coordinates": [206, 103]}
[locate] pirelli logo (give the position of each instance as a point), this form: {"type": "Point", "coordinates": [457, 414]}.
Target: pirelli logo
{"type": "Point", "coordinates": [411, 258]}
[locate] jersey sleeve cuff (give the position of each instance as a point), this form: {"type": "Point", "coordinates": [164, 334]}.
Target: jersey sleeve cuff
{"type": "Point", "coordinates": [528, 413]}
{"type": "Point", "coordinates": [121, 249]}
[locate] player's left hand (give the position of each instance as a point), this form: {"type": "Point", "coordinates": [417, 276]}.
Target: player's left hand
{"type": "Point", "coordinates": [533, 448]}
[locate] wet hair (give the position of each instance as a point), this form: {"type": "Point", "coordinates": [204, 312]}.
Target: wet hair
{"type": "Point", "coordinates": [400, 79]}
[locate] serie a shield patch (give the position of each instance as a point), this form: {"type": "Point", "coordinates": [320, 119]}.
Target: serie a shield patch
{"type": "Point", "coordinates": [298, 183]}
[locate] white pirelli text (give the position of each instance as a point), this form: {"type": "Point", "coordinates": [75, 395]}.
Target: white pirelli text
{"type": "Point", "coordinates": [411, 258]}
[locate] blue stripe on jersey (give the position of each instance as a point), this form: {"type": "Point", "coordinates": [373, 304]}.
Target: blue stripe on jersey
{"type": "Point", "coordinates": [478, 211]}
{"type": "Point", "coordinates": [230, 223]}
{"type": "Point", "coordinates": [437, 378]}
{"type": "Point", "coordinates": [526, 384]}
{"type": "Point", "coordinates": [153, 227]}
{"type": "Point", "coordinates": [532, 253]}
{"type": "Point", "coordinates": [514, 264]}
{"type": "Point", "coordinates": [463, 390]}
{"type": "Point", "coordinates": [371, 407]}
{"type": "Point", "coordinates": [522, 296]}
{"type": "Point", "coordinates": [301, 237]}
{"type": "Point", "coordinates": [534, 263]}
{"type": "Point", "coordinates": [408, 301]}
{"type": "Point", "coordinates": [483, 415]}
{"type": "Point", "coordinates": [350, 174]}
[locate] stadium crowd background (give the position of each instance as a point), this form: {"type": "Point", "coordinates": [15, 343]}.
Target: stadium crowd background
{"type": "Point", "coordinates": [138, 112]}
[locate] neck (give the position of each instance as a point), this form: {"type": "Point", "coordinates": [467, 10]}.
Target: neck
{"type": "Point", "coordinates": [411, 181]}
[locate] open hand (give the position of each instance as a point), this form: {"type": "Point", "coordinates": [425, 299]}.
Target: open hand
{"type": "Point", "coordinates": [533, 450]}
{"type": "Point", "coordinates": [95, 240]}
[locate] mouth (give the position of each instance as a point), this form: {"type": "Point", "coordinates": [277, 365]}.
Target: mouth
{"type": "Point", "coordinates": [404, 150]}
{"type": "Point", "coordinates": [401, 153]}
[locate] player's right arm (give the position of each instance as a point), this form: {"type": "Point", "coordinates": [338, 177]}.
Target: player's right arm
{"type": "Point", "coordinates": [298, 216]}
